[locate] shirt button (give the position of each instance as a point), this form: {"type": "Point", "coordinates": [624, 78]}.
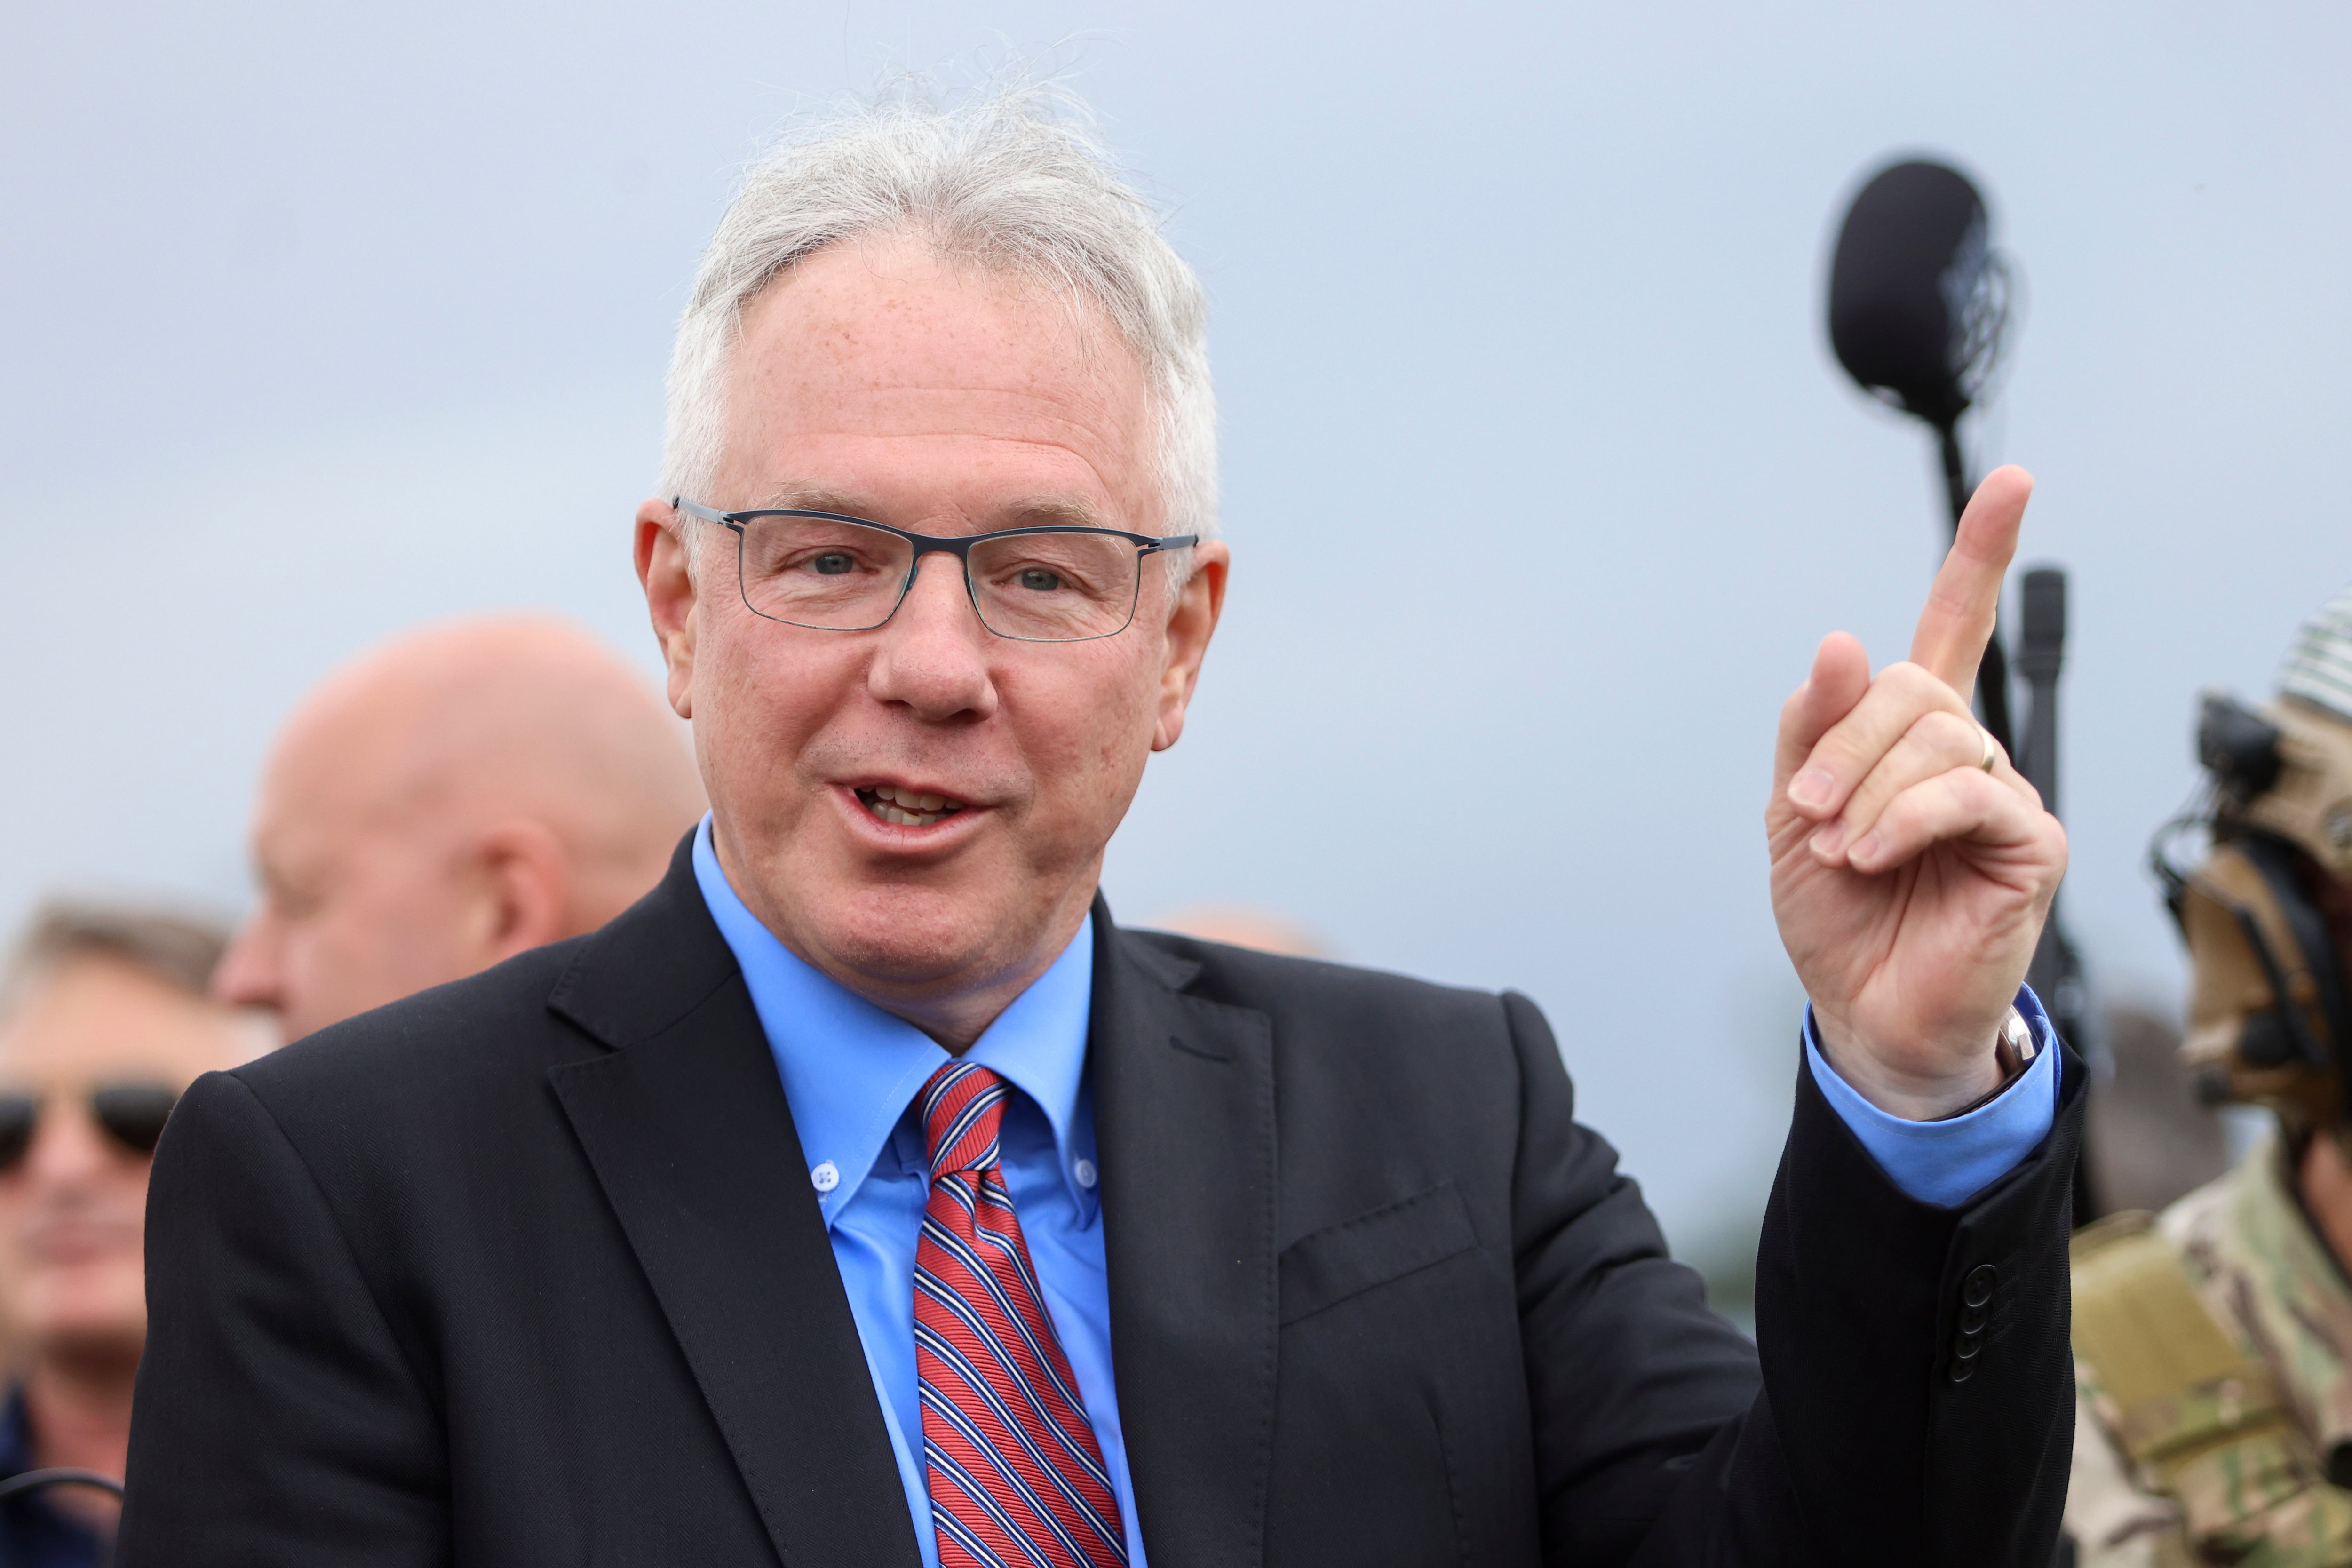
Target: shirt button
{"type": "Point", "coordinates": [1084, 1172]}
{"type": "Point", "coordinates": [825, 1177]}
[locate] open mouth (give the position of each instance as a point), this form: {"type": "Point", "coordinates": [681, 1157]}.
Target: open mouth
{"type": "Point", "coordinates": [905, 808]}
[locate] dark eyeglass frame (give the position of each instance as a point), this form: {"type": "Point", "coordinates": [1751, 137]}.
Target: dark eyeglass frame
{"type": "Point", "coordinates": [125, 1110]}
{"type": "Point", "coordinates": [957, 545]}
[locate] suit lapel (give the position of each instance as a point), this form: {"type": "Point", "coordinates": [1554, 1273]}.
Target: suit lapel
{"type": "Point", "coordinates": [1183, 1093]}
{"type": "Point", "coordinates": [684, 1123]}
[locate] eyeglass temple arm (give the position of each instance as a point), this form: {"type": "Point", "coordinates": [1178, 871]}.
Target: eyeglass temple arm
{"type": "Point", "coordinates": [691, 509]}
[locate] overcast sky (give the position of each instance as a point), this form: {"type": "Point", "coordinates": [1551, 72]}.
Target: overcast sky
{"type": "Point", "coordinates": [319, 321]}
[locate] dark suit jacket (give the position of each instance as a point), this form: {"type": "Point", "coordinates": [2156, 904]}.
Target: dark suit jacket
{"type": "Point", "coordinates": [528, 1270]}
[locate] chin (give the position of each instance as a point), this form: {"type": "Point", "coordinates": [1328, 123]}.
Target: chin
{"type": "Point", "coordinates": [910, 935]}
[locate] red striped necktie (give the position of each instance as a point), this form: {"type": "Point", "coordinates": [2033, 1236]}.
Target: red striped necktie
{"type": "Point", "coordinates": [1016, 1477]}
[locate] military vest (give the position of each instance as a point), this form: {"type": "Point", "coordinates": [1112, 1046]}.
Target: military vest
{"type": "Point", "coordinates": [2215, 1350]}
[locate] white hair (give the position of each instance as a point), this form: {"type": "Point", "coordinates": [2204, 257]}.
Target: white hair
{"type": "Point", "coordinates": [1016, 180]}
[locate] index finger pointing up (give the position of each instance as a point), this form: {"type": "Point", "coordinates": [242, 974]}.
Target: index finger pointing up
{"type": "Point", "coordinates": [1957, 621]}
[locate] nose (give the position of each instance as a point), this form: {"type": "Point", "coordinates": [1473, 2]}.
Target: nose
{"type": "Point", "coordinates": [249, 975]}
{"type": "Point", "coordinates": [67, 1150]}
{"type": "Point", "coordinates": [933, 658]}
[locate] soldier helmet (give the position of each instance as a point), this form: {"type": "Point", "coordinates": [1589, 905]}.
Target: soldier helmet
{"type": "Point", "coordinates": [2270, 1012]}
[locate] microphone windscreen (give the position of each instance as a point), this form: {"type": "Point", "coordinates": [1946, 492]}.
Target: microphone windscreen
{"type": "Point", "coordinates": [1902, 279]}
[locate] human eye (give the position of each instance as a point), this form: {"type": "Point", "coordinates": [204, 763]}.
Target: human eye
{"type": "Point", "coordinates": [831, 563]}
{"type": "Point", "coordinates": [1057, 565]}
{"type": "Point", "coordinates": [814, 553]}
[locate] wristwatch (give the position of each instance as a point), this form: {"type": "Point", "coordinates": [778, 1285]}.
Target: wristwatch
{"type": "Point", "coordinates": [2013, 1050]}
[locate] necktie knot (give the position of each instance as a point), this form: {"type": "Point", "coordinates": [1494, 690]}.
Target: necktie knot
{"type": "Point", "coordinates": [963, 1107]}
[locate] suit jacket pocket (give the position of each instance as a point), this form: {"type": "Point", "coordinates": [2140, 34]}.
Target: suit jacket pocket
{"type": "Point", "coordinates": [1331, 1265]}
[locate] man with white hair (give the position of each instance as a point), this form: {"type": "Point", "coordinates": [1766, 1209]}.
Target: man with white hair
{"type": "Point", "coordinates": [865, 1195]}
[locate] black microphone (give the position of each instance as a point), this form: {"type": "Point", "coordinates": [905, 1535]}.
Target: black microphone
{"type": "Point", "coordinates": [1918, 298]}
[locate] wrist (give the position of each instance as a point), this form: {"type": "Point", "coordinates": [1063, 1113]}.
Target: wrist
{"type": "Point", "coordinates": [1900, 1084]}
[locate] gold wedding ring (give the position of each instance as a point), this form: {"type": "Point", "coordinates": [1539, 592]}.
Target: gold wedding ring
{"type": "Point", "coordinates": [1992, 750]}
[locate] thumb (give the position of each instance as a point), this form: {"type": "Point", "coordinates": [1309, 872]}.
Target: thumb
{"type": "Point", "coordinates": [1840, 674]}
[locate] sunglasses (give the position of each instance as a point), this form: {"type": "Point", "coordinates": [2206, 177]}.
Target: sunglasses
{"type": "Point", "coordinates": [131, 1114]}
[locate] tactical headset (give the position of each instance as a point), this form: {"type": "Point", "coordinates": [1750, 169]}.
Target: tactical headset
{"type": "Point", "coordinates": [2270, 1012]}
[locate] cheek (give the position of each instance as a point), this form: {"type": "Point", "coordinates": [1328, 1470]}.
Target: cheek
{"type": "Point", "coordinates": [16, 1213]}
{"type": "Point", "coordinates": [379, 926]}
{"type": "Point", "coordinates": [761, 698]}
{"type": "Point", "coordinates": [1088, 738]}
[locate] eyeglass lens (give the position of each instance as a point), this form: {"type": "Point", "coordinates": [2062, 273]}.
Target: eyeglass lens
{"type": "Point", "coordinates": [844, 576]}
{"type": "Point", "coordinates": [131, 1114]}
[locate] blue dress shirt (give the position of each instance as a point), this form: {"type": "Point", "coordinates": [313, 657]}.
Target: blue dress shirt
{"type": "Point", "coordinates": [1948, 1163]}
{"type": "Point", "coordinates": [851, 1072]}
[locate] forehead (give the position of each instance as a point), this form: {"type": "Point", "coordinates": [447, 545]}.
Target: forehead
{"type": "Point", "coordinates": [875, 368]}
{"type": "Point", "coordinates": [95, 1017]}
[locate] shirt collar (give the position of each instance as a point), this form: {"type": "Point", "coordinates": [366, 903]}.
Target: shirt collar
{"type": "Point", "coordinates": [850, 1069]}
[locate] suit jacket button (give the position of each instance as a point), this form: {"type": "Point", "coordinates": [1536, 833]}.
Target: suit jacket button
{"type": "Point", "coordinates": [1979, 1289]}
{"type": "Point", "coordinates": [1972, 1320]}
{"type": "Point", "coordinates": [1965, 1346]}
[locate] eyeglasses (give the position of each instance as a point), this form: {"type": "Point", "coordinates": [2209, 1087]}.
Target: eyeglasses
{"type": "Point", "coordinates": [131, 1114]}
{"type": "Point", "coordinates": [836, 574]}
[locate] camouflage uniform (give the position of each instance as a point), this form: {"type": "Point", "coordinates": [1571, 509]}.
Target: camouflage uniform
{"type": "Point", "coordinates": [2213, 1345]}
{"type": "Point", "coordinates": [2234, 1467]}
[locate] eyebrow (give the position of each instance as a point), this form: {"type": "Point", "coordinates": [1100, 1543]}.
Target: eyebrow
{"type": "Point", "coordinates": [1027, 511]}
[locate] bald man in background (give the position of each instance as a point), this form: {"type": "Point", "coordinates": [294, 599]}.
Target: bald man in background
{"type": "Point", "coordinates": [448, 800]}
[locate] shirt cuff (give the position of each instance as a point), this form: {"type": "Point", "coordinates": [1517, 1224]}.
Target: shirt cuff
{"type": "Point", "coordinates": [1948, 1163]}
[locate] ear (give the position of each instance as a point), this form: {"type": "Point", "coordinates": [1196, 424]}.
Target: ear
{"type": "Point", "coordinates": [521, 886]}
{"type": "Point", "coordinates": [665, 571]}
{"type": "Point", "coordinates": [1190, 625]}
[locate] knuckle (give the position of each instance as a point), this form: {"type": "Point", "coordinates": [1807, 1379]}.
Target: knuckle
{"type": "Point", "coordinates": [1915, 691]}
{"type": "Point", "coordinates": [1950, 735]}
{"type": "Point", "coordinates": [1912, 680]}
{"type": "Point", "coordinates": [1980, 791]}
{"type": "Point", "coordinates": [1840, 749]}
{"type": "Point", "coordinates": [1840, 753]}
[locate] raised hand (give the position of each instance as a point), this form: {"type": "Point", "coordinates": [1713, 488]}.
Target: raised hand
{"type": "Point", "coordinates": [1909, 880]}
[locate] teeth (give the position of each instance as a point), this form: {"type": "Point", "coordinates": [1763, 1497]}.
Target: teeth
{"type": "Point", "coordinates": [906, 807]}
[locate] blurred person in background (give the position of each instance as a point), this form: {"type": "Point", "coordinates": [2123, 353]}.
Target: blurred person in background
{"type": "Point", "coordinates": [2214, 1340]}
{"type": "Point", "coordinates": [1239, 925]}
{"type": "Point", "coordinates": [104, 1020]}
{"type": "Point", "coordinates": [452, 798]}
